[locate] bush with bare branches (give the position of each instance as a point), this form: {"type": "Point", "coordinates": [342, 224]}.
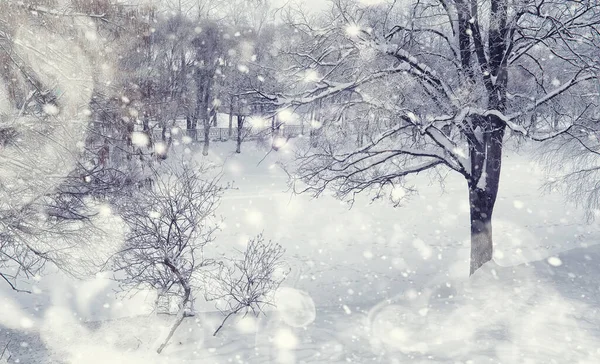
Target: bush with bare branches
{"type": "Point", "coordinates": [246, 284]}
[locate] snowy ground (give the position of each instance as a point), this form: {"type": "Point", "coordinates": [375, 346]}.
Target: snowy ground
{"type": "Point", "coordinates": [389, 285]}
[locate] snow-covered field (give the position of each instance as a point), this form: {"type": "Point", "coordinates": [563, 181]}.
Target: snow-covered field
{"type": "Point", "coordinates": [371, 284]}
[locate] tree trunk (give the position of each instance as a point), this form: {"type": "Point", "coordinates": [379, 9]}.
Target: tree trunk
{"type": "Point", "coordinates": [240, 127]}
{"type": "Point", "coordinates": [311, 126]}
{"type": "Point", "coordinates": [486, 150]}
{"type": "Point", "coordinates": [230, 129]}
{"type": "Point", "coordinates": [481, 228]}
{"type": "Point", "coordinates": [191, 124]}
{"type": "Point", "coordinates": [178, 319]}
{"type": "Point", "coordinates": [163, 134]}
{"type": "Point", "coordinates": [486, 163]}
{"type": "Point", "coordinates": [233, 108]}
{"type": "Point", "coordinates": [206, 136]}
{"type": "Point", "coordinates": [214, 113]}
{"type": "Point", "coordinates": [181, 313]}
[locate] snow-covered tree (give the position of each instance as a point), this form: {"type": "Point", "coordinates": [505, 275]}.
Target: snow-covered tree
{"type": "Point", "coordinates": [436, 84]}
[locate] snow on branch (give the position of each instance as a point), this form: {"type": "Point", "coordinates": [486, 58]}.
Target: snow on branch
{"type": "Point", "coordinates": [509, 120]}
{"type": "Point", "coordinates": [422, 70]}
{"type": "Point", "coordinates": [554, 93]}
{"type": "Point", "coordinates": [328, 89]}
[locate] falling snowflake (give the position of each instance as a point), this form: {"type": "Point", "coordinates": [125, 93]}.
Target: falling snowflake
{"type": "Point", "coordinates": [353, 30]}
{"type": "Point", "coordinates": [555, 261]}
{"type": "Point", "coordinates": [51, 109]}
{"type": "Point", "coordinates": [139, 139]}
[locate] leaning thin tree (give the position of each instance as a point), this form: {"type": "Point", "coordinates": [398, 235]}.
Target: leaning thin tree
{"type": "Point", "coordinates": [169, 224]}
{"type": "Point", "coordinates": [410, 86]}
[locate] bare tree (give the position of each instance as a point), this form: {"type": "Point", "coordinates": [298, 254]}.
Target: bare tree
{"type": "Point", "coordinates": [247, 285]}
{"type": "Point", "coordinates": [435, 84]}
{"type": "Point", "coordinates": [170, 223]}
